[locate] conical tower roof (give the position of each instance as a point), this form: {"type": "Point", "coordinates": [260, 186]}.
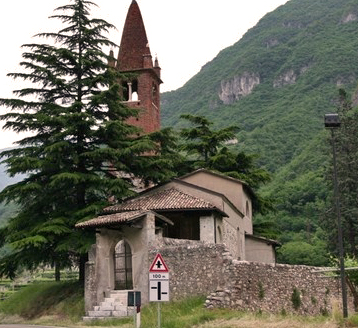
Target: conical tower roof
{"type": "Point", "coordinates": [134, 47]}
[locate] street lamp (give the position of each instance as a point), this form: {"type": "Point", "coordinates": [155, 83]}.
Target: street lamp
{"type": "Point", "coordinates": [332, 122]}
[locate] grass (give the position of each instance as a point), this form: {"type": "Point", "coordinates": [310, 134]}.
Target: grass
{"type": "Point", "coordinates": [61, 304]}
{"type": "Point", "coordinates": [9, 287]}
{"type": "Point", "coordinates": [190, 311]}
{"type": "Point", "coordinates": [182, 314]}
{"type": "Point", "coordinates": [64, 299]}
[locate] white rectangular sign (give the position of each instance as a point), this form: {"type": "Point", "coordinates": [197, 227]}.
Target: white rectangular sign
{"type": "Point", "coordinates": [159, 276]}
{"type": "Point", "coordinates": [159, 290]}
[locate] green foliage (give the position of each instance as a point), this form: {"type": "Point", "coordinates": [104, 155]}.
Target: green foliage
{"type": "Point", "coordinates": [352, 321]}
{"type": "Point", "coordinates": [80, 136]}
{"type": "Point", "coordinates": [206, 148]}
{"type": "Point", "coordinates": [202, 141]}
{"type": "Point", "coordinates": [296, 299]}
{"type": "Point", "coordinates": [6, 212]}
{"type": "Point", "coordinates": [300, 194]}
{"type": "Point", "coordinates": [301, 252]}
{"type": "Point", "coordinates": [349, 262]}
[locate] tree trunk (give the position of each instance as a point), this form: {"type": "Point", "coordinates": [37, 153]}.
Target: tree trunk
{"type": "Point", "coordinates": [57, 272]}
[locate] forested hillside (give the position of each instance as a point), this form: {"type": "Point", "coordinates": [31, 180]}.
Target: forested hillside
{"type": "Point", "coordinates": [276, 84]}
{"type": "Point", "coordinates": [7, 210]}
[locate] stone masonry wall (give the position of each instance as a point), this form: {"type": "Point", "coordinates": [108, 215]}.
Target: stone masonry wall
{"type": "Point", "coordinates": [90, 281]}
{"type": "Point", "coordinates": [195, 267]}
{"type": "Point", "coordinates": [276, 289]}
{"type": "Point", "coordinates": [198, 268]}
{"type": "Point", "coordinates": [231, 239]}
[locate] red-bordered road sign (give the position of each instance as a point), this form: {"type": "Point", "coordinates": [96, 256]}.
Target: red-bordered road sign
{"type": "Point", "coordinates": [158, 265]}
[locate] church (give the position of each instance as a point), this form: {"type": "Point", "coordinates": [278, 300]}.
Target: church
{"type": "Point", "coordinates": [202, 207]}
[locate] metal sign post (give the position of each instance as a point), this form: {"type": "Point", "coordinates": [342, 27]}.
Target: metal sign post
{"type": "Point", "coordinates": [159, 316]}
{"type": "Point", "coordinates": [135, 312]}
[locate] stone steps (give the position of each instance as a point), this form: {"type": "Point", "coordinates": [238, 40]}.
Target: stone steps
{"type": "Point", "coordinates": [113, 306]}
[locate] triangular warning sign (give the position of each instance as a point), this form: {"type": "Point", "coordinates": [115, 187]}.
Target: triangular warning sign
{"type": "Point", "coordinates": [158, 265]}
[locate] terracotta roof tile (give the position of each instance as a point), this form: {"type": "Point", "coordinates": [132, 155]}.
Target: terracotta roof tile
{"type": "Point", "coordinates": [169, 199]}
{"type": "Point", "coordinates": [109, 219]}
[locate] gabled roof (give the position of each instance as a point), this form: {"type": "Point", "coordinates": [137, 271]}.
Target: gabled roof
{"type": "Point", "coordinates": [221, 175]}
{"type": "Point", "coordinates": [272, 242]}
{"type": "Point", "coordinates": [165, 200]}
{"type": "Point", "coordinates": [118, 219]}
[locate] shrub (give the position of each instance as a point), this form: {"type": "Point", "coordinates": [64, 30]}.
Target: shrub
{"type": "Point", "coordinates": [296, 299]}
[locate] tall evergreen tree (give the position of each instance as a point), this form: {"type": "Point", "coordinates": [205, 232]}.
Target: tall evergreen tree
{"type": "Point", "coordinates": [202, 141]}
{"type": "Point", "coordinates": [79, 140]}
{"type": "Point", "coordinates": [206, 148]}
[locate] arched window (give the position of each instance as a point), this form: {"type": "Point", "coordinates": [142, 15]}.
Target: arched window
{"type": "Point", "coordinates": [125, 91]}
{"type": "Point", "coordinates": [154, 91]}
{"type": "Point", "coordinates": [130, 90]}
{"type": "Point", "coordinates": [123, 266]}
{"type": "Point", "coordinates": [135, 96]}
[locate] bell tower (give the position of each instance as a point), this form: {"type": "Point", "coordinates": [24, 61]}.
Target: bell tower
{"type": "Point", "coordinates": [142, 89]}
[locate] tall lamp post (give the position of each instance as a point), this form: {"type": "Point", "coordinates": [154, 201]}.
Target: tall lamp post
{"type": "Point", "coordinates": [332, 122]}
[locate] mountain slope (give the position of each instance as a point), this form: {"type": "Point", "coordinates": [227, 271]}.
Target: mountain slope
{"type": "Point", "coordinates": [277, 82]}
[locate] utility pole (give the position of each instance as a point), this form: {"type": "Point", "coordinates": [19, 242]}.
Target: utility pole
{"type": "Point", "coordinates": [332, 122]}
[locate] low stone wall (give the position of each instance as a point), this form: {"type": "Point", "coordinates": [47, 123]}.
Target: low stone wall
{"type": "Point", "coordinates": [277, 289]}
{"type": "Point", "coordinates": [197, 268]}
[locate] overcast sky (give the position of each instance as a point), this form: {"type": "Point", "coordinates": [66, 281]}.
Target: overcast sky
{"type": "Point", "coordinates": [184, 34]}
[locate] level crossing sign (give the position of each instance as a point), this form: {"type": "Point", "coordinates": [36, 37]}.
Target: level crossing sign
{"type": "Point", "coordinates": [158, 280]}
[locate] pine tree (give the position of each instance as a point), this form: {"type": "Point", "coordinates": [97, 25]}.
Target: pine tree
{"type": "Point", "coordinates": [202, 141]}
{"type": "Point", "coordinates": [207, 148]}
{"type": "Point", "coordinates": [79, 140]}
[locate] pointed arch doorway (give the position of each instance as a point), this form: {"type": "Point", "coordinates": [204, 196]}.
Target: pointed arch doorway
{"type": "Point", "coordinates": [123, 271]}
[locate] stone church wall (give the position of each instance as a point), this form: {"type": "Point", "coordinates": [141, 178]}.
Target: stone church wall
{"type": "Point", "coordinates": [90, 281]}
{"type": "Point", "coordinates": [197, 268]}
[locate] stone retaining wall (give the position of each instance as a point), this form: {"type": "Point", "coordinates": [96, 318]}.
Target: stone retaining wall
{"type": "Point", "coordinates": [197, 268]}
{"type": "Point", "coordinates": [276, 289]}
